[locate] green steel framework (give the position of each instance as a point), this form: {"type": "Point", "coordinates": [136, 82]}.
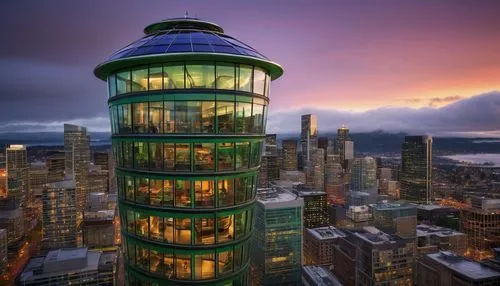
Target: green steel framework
{"type": "Point", "coordinates": [162, 240]}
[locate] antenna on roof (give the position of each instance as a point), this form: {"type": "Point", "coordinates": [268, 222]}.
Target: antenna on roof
{"type": "Point", "coordinates": [186, 14]}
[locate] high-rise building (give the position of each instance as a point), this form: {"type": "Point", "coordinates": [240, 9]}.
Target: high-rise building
{"type": "Point", "coordinates": [439, 215]}
{"type": "Point", "coordinates": [74, 266]}
{"type": "Point", "coordinates": [481, 224]}
{"type": "Point", "coordinates": [383, 259]}
{"type": "Point", "coordinates": [269, 167]}
{"type": "Point", "coordinates": [400, 219]}
{"type": "Point", "coordinates": [3, 251]}
{"type": "Point", "coordinates": [344, 264]}
{"type": "Point", "coordinates": [38, 176]}
{"type": "Point", "coordinates": [344, 147]}
{"type": "Point", "coordinates": [315, 207]}
{"type": "Point", "coordinates": [364, 175]}
{"type": "Point", "coordinates": [416, 170]}
{"type": "Point", "coordinates": [442, 238]}
{"type": "Point", "coordinates": [98, 180]}
{"type": "Point", "coordinates": [59, 215]}
{"type": "Point", "coordinates": [56, 167]}
{"type": "Point", "coordinates": [318, 245]}
{"type": "Point", "coordinates": [98, 225]}
{"type": "Point", "coordinates": [334, 180]}
{"type": "Point", "coordinates": [308, 136]}
{"type": "Point", "coordinates": [323, 143]}
{"type": "Point", "coordinates": [17, 173]}
{"type": "Point", "coordinates": [77, 163]}
{"type": "Point", "coordinates": [12, 219]}
{"type": "Point", "coordinates": [289, 155]}
{"type": "Point", "coordinates": [315, 171]}
{"type": "Point", "coordinates": [188, 150]}
{"type": "Point", "coordinates": [102, 159]}
{"type": "Point", "coordinates": [448, 269]}
{"type": "Point", "coordinates": [276, 250]}
{"type": "Point", "coordinates": [3, 182]}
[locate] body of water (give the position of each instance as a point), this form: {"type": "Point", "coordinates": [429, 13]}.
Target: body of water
{"type": "Point", "coordinates": [477, 158]}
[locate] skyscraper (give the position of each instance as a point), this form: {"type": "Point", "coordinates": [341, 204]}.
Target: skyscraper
{"type": "Point", "coordinates": [17, 173]}
{"type": "Point", "coordinates": [269, 169]}
{"type": "Point", "coordinates": [276, 251]}
{"type": "Point", "coordinates": [315, 170]}
{"type": "Point", "coordinates": [59, 215]}
{"type": "Point", "coordinates": [334, 180]}
{"type": "Point", "coordinates": [308, 136]}
{"type": "Point", "coordinates": [315, 207]}
{"type": "Point", "coordinates": [289, 155]}
{"type": "Point", "coordinates": [344, 147]}
{"type": "Point", "coordinates": [416, 171]}
{"type": "Point", "coordinates": [188, 108]}
{"type": "Point", "coordinates": [77, 163]}
{"type": "Point", "coordinates": [364, 175]}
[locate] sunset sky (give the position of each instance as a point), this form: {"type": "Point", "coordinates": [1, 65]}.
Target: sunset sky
{"type": "Point", "coordinates": [399, 62]}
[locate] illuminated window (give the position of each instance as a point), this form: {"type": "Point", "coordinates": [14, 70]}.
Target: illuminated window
{"type": "Point", "coordinates": [225, 228]}
{"type": "Point", "coordinates": [183, 230]}
{"type": "Point", "coordinates": [123, 82]}
{"type": "Point", "coordinates": [204, 266]}
{"type": "Point", "coordinates": [173, 76]}
{"type": "Point", "coordinates": [225, 158]}
{"type": "Point", "coordinates": [155, 78]}
{"type": "Point", "coordinates": [140, 80]}
{"type": "Point", "coordinates": [225, 261]}
{"type": "Point", "coordinates": [155, 156]}
{"type": "Point", "coordinates": [155, 117]}
{"type": "Point", "coordinates": [225, 192]}
{"type": "Point", "coordinates": [156, 192]}
{"type": "Point", "coordinates": [200, 76]}
{"type": "Point", "coordinates": [204, 194]}
{"type": "Point", "coordinates": [168, 192]}
{"type": "Point", "coordinates": [182, 193]}
{"type": "Point", "coordinates": [259, 81]}
{"type": "Point", "coordinates": [225, 76]}
{"type": "Point", "coordinates": [182, 157]}
{"type": "Point", "coordinates": [183, 267]}
{"type": "Point", "coordinates": [204, 230]}
{"type": "Point", "coordinates": [245, 78]}
{"type": "Point", "coordinates": [225, 117]}
{"type": "Point", "coordinates": [140, 117]}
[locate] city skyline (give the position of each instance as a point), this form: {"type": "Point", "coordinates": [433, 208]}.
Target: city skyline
{"type": "Point", "coordinates": [374, 61]}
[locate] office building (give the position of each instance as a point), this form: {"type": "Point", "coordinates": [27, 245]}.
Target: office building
{"type": "Point", "coordinates": [74, 266]}
{"type": "Point", "coordinates": [358, 216]}
{"type": "Point", "coordinates": [59, 215]}
{"type": "Point", "coordinates": [364, 175]}
{"type": "Point", "coordinates": [315, 207]}
{"type": "Point", "coordinates": [276, 252]}
{"type": "Point", "coordinates": [448, 269]}
{"type": "Point", "coordinates": [289, 155]}
{"type": "Point", "coordinates": [442, 238]}
{"type": "Point", "coordinates": [443, 216]}
{"type": "Point", "coordinates": [481, 224]}
{"type": "Point", "coordinates": [98, 227]}
{"type": "Point", "coordinates": [324, 143]}
{"type": "Point", "coordinates": [334, 180]}
{"type": "Point", "coordinates": [361, 198]}
{"type": "Point", "coordinates": [16, 162]}
{"type": "Point", "coordinates": [98, 180]}
{"type": "Point", "coordinates": [308, 136]}
{"type": "Point", "coordinates": [269, 166]}
{"type": "Point", "coordinates": [12, 219]}
{"type": "Point", "coordinates": [394, 218]}
{"type": "Point", "coordinates": [319, 243]}
{"type": "Point", "coordinates": [416, 169]}
{"type": "Point", "coordinates": [315, 171]}
{"type": "Point", "coordinates": [383, 259]}
{"type": "Point", "coordinates": [344, 147]}
{"type": "Point", "coordinates": [337, 215]}
{"type": "Point", "coordinates": [344, 264]}
{"type": "Point", "coordinates": [38, 176]}
{"type": "Point", "coordinates": [56, 167]}
{"type": "Point", "coordinates": [102, 159]}
{"type": "Point", "coordinates": [313, 275]}
{"type": "Point", "coordinates": [3, 250]}
{"type": "Point", "coordinates": [77, 163]}
{"type": "Point", "coordinates": [187, 150]}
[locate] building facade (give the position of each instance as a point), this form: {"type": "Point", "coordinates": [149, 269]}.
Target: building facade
{"type": "Point", "coordinates": [289, 155]}
{"type": "Point", "coordinates": [3, 250]}
{"type": "Point", "coordinates": [319, 245]}
{"type": "Point", "coordinates": [188, 108]}
{"type": "Point", "coordinates": [393, 218]}
{"type": "Point", "coordinates": [308, 136]}
{"type": "Point", "coordinates": [364, 175]}
{"type": "Point", "coordinates": [416, 169]}
{"type": "Point", "coordinates": [56, 167]}
{"type": "Point", "coordinates": [269, 165]}
{"type": "Point", "coordinates": [315, 207]}
{"type": "Point", "coordinates": [12, 219]}
{"type": "Point", "coordinates": [315, 171]}
{"type": "Point", "coordinates": [17, 168]}
{"type": "Point", "coordinates": [276, 251]}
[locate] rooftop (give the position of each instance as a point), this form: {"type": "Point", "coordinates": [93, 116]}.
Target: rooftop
{"type": "Point", "coordinates": [324, 233]}
{"type": "Point", "coordinates": [392, 206]}
{"type": "Point", "coordinates": [65, 184]}
{"type": "Point", "coordinates": [375, 236]}
{"type": "Point", "coordinates": [427, 230]}
{"type": "Point", "coordinates": [14, 147]}
{"type": "Point", "coordinates": [463, 266]}
{"type": "Point", "coordinates": [432, 207]}
{"type": "Point", "coordinates": [321, 276]}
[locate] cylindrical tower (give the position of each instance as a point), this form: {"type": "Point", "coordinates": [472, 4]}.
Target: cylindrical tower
{"type": "Point", "coordinates": [188, 108]}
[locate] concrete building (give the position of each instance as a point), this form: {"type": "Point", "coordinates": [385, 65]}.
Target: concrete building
{"type": "Point", "coordinates": [59, 215]}
{"type": "Point", "coordinates": [448, 269]}
{"type": "Point", "coordinates": [354, 198]}
{"type": "Point", "coordinates": [315, 207]}
{"type": "Point", "coordinates": [439, 215]}
{"type": "Point", "coordinates": [3, 251]}
{"type": "Point", "coordinates": [337, 215]}
{"type": "Point", "coordinates": [319, 243]}
{"type": "Point", "coordinates": [98, 180]}
{"type": "Point", "coordinates": [394, 218]}
{"type": "Point", "coordinates": [17, 169]}
{"type": "Point", "coordinates": [334, 180]}
{"type": "Point", "coordinates": [344, 147]}
{"type": "Point", "coordinates": [289, 155]}
{"type": "Point", "coordinates": [276, 250]}
{"type": "Point", "coordinates": [364, 175]}
{"type": "Point", "coordinates": [416, 169]}
{"type": "Point", "coordinates": [98, 226]}
{"type": "Point", "coordinates": [442, 238]}
{"type": "Point", "coordinates": [344, 264]}
{"type": "Point", "coordinates": [313, 275]}
{"type": "Point", "coordinates": [315, 171]}
{"type": "Point", "coordinates": [481, 224]}
{"type": "Point", "coordinates": [56, 167]}
{"type": "Point", "coordinates": [358, 216]}
{"type": "Point", "coordinates": [12, 219]}
{"type": "Point", "coordinates": [269, 166]}
{"type": "Point", "coordinates": [74, 266]}
{"type": "Point", "coordinates": [383, 259]}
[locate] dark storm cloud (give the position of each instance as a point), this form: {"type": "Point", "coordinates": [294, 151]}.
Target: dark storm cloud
{"type": "Point", "coordinates": [476, 114]}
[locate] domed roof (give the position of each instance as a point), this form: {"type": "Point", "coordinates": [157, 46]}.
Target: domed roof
{"type": "Point", "coordinates": [187, 38]}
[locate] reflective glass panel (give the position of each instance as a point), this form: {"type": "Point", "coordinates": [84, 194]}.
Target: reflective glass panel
{"type": "Point", "coordinates": [182, 193]}
{"type": "Point", "coordinates": [112, 85]}
{"type": "Point", "coordinates": [142, 190]}
{"type": "Point", "coordinates": [225, 116]}
{"type": "Point", "coordinates": [155, 77]}
{"type": "Point", "coordinates": [225, 76]}
{"type": "Point", "coordinates": [245, 78]}
{"type": "Point", "coordinates": [168, 192]}
{"type": "Point", "coordinates": [155, 117]}
{"type": "Point", "coordinates": [183, 230]}
{"type": "Point", "coordinates": [200, 76]}
{"type": "Point", "coordinates": [128, 151]}
{"type": "Point", "coordinates": [168, 117]}
{"type": "Point", "coordinates": [242, 155]}
{"type": "Point", "coordinates": [141, 225]}
{"type": "Point", "coordinates": [255, 153]}
{"type": "Point", "coordinates": [173, 76]}
{"type": "Point", "coordinates": [156, 262]}
{"type": "Point", "coordinates": [182, 157]}
{"type": "Point", "coordinates": [156, 228]}
{"type": "Point", "coordinates": [140, 117]}
{"type": "Point", "coordinates": [240, 224]}
{"type": "Point", "coordinates": [123, 82]}
{"type": "Point", "coordinates": [207, 116]}
{"type": "Point", "coordinates": [169, 230]}
{"type": "Point", "coordinates": [130, 222]}
{"type": "Point", "coordinates": [183, 267]}
{"type": "Point", "coordinates": [225, 155]}
{"type": "Point", "coordinates": [155, 156]}
{"type": "Point", "coordinates": [225, 262]}
{"type": "Point", "coordinates": [204, 154]}
{"type": "Point", "coordinates": [204, 265]}
{"type": "Point", "coordinates": [259, 81]}
{"type": "Point", "coordinates": [125, 118]}
{"type": "Point", "coordinates": [141, 155]}
{"type": "Point", "coordinates": [225, 192]}
{"type": "Point", "coordinates": [243, 117]}
{"type": "Point", "coordinates": [204, 194]}
{"type": "Point", "coordinates": [225, 228]}
{"type": "Point", "coordinates": [140, 80]}
{"type": "Point", "coordinates": [169, 156]}
{"type": "Point", "coordinates": [156, 192]}
{"type": "Point", "coordinates": [204, 230]}
{"type": "Point", "coordinates": [142, 258]}
{"type": "Point", "coordinates": [240, 188]}
{"type": "Point", "coordinates": [129, 186]}
{"type": "Point", "coordinates": [258, 112]}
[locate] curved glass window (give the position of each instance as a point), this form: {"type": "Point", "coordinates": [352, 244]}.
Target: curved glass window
{"type": "Point", "coordinates": [204, 193]}
{"type": "Point", "coordinates": [225, 157]}
{"type": "Point", "coordinates": [140, 80]}
{"type": "Point", "coordinates": [140, 117]}
{"type": "Point", "coordinates": [168, 156]}
{"type": "Point", "coordinates": [140, 155]}
{"type": "Point", "coordinates": [225, 228]}
{"type": "Point", "coordinates": [204, 157]}
{"type": "Point", "coordinates": [182, 193]}
{"type": "Point", "coordinates": [225, 76]}
{"type": "Point", "coordinates": [155, 156]}
{"type": "Point", "coordinates": [168, 116]}
{"type": "Point", "coordinates": [204, 230]}
{"type": "Point", "coordinates": [200, 76]}
{"type": "Point", "coordinates": [225, 192]}
{"type": "Point", "coordinates": [142, 190]}
{"type": "Point", "coordinates": [225, 116]}
{"type": "Point", "coordinates": [155, 192]}
{"type": "Point", "coordinates": [242, 155]}
{"type": "Point", "coordinates": [180, 75]}
{"type": "Point", "coordinates": [258, 117]}
{"type": "Point", "coordinates": [243, 117]}
{"type": "Point", "coordinates": [155, 117]}
{"type": "Point", "coordinates": [182, 157]}
{"type": "Point", "coordinates": [207, 117]}
{"type": "Point", "coordinates": [183, 230]}
{"type": "Point", "coordinates": [204, 265]}
{"type": "Point", "coordinates": [256, 149]}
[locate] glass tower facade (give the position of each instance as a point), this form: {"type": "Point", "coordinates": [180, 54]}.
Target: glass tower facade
{"type": "Point", "coordinates": [188, 108]}
{"type": "Point", "coordinates": [416, 169]}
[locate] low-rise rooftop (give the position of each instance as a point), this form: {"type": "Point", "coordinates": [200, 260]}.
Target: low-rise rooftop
{"type": "Point", "coordinates": [463, 266]}
{"type": "Point", "coordinates": [320, 276]}
{"type": "Point", "coordinates": [326, 232]}
{"type": "Point", "coordinates": [427, 230]}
